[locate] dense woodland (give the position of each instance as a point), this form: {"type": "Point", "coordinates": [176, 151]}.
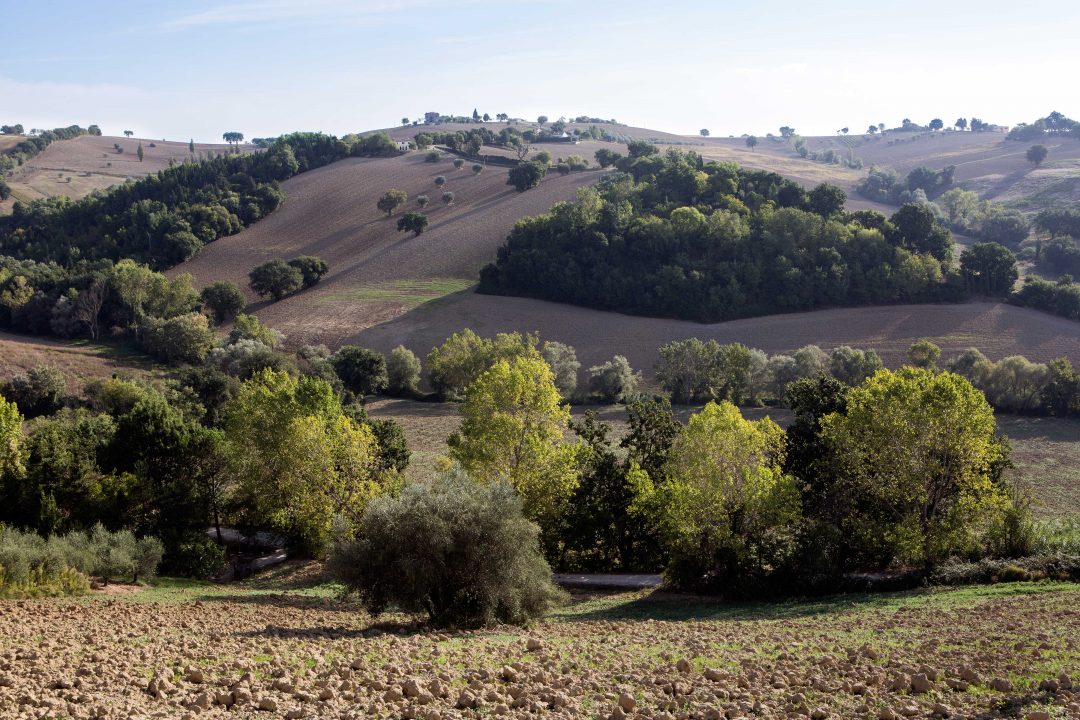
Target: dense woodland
{"type": "Point", "coordinates": [166, 218]}
{"type": "Point", "coordinates": [673, 235]}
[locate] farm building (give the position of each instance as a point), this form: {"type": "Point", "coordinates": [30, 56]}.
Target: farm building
{"type": "Point", "coordinates": [403, 145]}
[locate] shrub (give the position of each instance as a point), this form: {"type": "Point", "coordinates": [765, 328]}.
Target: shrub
{"type": "Point", "coordinates": [433, 157]}
{"type": "Point", "coordinates": [614, 380]}
{"type": "Point", "coordinates": [181, 339]}
{"type": "Point", "coordinates": [564, 366]}
{"type": "Point", "coordinates": [196, 556]}
{"type": "Point", "coordinates": [392, 200]}
{"type": "Point", "coordinates": [362, 370]}
{"type": "Point", "coordinates": [276, 278]}
{"type": "Point", "coordinates": [38, 391]}
{"type": "Point", "coordinates": [412, 222]}
{"type": "Point", "coordinates": [526, 175]}
{"type": "Point", "coordinates": [402, 371]}
{"type": "Point", "coordinates": [245, 357]}
{"type": "Point", "coordinates": [448, 197]}
{"type": "Point", "coordinates": [563, 168]}
{"type": "Point", "coordinates": [311, 269]}
{"type": "Point", "coordinates": [477, 168]}
{"type": "Point", "coordinates": [223, 299]}
{"type": "Point", "coordinates": [458, 163]}
{"type": "Point", "coordinates": [421, 200]}
{"type": "Point", "coordinates": [459, 552]}
{"type": "Point", "coordinates": [440, 180]}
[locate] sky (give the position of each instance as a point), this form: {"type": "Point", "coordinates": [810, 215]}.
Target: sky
{"type": "Point", "coordinates": [181, 69]}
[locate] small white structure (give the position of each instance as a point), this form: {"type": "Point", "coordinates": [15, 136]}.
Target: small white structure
{"type": "Point", "coordinates": [403, 145]}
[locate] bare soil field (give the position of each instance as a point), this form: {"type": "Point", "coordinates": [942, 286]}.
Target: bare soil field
{"type": "Point", "coordinates": [1045, 451]}
{"type": "Point", "coordinates": [185, 650]}
{"type": "Point", "coordinates": [78, 360]}
{"type": "Point", "coordinates": [376, 272]}
{"type": "Point", "coordinates": [79, 166]}
{"type": "Point", "coordinates": [997, 329]}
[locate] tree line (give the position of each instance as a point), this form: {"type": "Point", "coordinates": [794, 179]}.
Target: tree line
{"type": "Point", "coordinates": [672, 235]}
{"type": "Point", "coordinates": [166, 218]}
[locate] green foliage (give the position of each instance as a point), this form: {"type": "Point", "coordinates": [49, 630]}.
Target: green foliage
{"type": "Point", "coordinates": [562, 359]}
{"type": "Point", "coordinates": [599, 534]}
{"type": "Point", "coordinates": [725, 507]}
{"type": "Point", "coordinates": [165, 218]}
{"type": "Point", "coordinates": [362, 370]}
{"type": "Point", "coordinates": [923, 354]}
{"type": "Point", "coordinates": [181, 339]}
{"type": "Point", "coordinates": [989, 268]}
{"type": "Point", "coordinates": [477, 168]}
{"type": "Point", "coordinates": [391, 200]}
{"type": "Point", "coordinates": [60, 565]}
{"type": "Point", "coordinates": [448, 197]}
{"type": "Point", "coordinates": [1036, 154]}
{"type": "Point", "coordinates": [276, 278]}
{"type": "Point", "coordinates": [1061, 298]}
{"type": "Point", "coordinates": [223, 299]}
{"type": "Point", "coordinates": [196, 556]}
{"type": "Point", "coordinates": [459, 552]}
{"type": "Point", "coordinates": [512, 430]}
{"type": "Point", "coordinates": [920, 451]}
{"type": "Point", "coordinates": [311, 269]}
{"type": "Point", "coordinates": [676, 236]}
{"type": "Point", "coordinates": [526, 175]}
{"type": "Point", "coordinates": [459, 361]}
{"type": "Point", "coordinates": [10, 441]}
{"type": "Point", "coordinates": [606, 158]}
{"type": "Point", "coordinates": [432, 157]}
{"type": "Point", "coordinates": [614, 380]}
{"type": "Point", "coordinates": [297, 458]}
{"type": "Point", "coordinates": [248, 327]}
{"type": "Point", "coordinates": [415, 223]}
{"type": "Point", "coordinates": [38, 391]}
{"type": "Point", "coordinates": [402, 372]}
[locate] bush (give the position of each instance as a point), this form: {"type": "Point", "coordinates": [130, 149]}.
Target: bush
{"type": "Point", "coordinates": [459, 552]}
{"type": "Point", "coordinates": [402, 371]}
{"type": "Point", "coordinates": [362, 370]}
{"type": "Point", "coordinates": [223, 299]}
{"type": "Point", "coordinates": [477, 168]}
{"type": "Point", "coordinates": [415, 223]}
{"type": "Point", "coordinates": [33, 565]}
{"type": "Point", "coordinates": [311, 269]}
{"type": "Point", "coordinates": [526, 175]}
{"type": "Point", "coordinates": [276, 278]}
{"type": "Point", "coordinates": [614, 380]}
{"type": "Point", "coordinates": [182, 339]}
{"type": "Point", "coordinates": [448, 197]}
{"type": "Point", "coordinates": [433, 157]}
{"type": "Point", "coordinates": [196, 556]}
{"type": "Point", "coordinates": [38, 391]}
{"type": "Point", "coordinates": [458, 163]}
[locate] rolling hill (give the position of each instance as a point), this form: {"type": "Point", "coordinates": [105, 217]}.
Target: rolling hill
{"type": "Point", "coordinates": [386, 287]}
{"type": "Point", "coordinates": [79, 166]}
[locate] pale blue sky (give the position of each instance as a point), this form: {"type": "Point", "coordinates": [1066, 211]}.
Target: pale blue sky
{"type": "Point", "coordinates": [195, 69]}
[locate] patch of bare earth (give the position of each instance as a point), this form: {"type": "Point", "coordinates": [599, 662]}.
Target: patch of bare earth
{"type": "Point", "coordinates": [240, 653]}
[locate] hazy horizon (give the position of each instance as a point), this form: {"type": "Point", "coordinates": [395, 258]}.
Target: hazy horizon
{"type": "Point", "coordinates": [197, 69]}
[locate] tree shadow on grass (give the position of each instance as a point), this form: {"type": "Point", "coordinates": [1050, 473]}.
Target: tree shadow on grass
{"type": "Point", "coordinates": [677, 607]}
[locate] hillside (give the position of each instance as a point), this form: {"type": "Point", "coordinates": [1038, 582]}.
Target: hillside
{"type": "Point", "coordinates": [79, 361]}
{"type": "Point", "coordinates": [985, 162]}
{"type": "Point", "coordinates": [386, 287]}
{"type": "Point", "coordinates": [376, 272]}
{"type": "Point", "coordinates": [79, 166]}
